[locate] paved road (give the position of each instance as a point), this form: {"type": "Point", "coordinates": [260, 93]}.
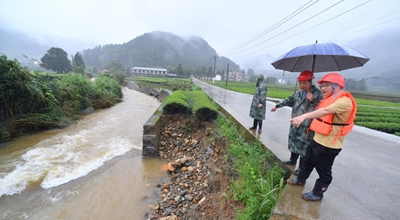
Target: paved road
{"type": "Point", "coordinates": [366, 173]}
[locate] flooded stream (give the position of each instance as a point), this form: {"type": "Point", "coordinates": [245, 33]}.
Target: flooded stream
{"type": "Point", "coordinates": [90, 170]}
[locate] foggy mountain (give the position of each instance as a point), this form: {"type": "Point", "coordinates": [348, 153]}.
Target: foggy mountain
{"type": "Point", "coordinates": [159, 49]}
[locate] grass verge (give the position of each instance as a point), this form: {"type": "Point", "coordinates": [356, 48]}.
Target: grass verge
{"type": "Point", "coordinates": [259, 182]}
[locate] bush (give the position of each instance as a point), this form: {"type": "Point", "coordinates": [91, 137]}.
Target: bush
{"type": "Point", "coordinates": [107, 92]}
{"type": "Point", "coordinates": [75, 93]}
{"type": "Point", "coordinates": [177, 103]}
{"type": "Point", "coordinates": [390, 128]}
{"type": "Point", "coordinates": [203, 108]}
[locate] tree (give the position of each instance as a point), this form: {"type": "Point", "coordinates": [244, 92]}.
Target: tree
{"type": "Point", "coordinates": [56, 59]}
{"type": "Point", "coordinates": [179, 70]}
{"type": "Point", "coordinates": [78, 61]}
{"type": "Point", "coordinates": [95, 70]}
{"type": "Point", "coordinates": [250, 72]}
{"type": "Point", "coordinates": [115, 65]}
{"type": "Point", "coordinates": [271, 80]}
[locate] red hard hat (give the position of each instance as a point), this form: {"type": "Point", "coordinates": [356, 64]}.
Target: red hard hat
{"type": "Point", "coordinates": [333, 78]}
{"type": "Point", "coordinates": [305, 76]}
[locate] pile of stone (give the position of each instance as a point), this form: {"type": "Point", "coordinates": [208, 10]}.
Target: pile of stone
{"type": "Point", "coordinates": [187, 167]}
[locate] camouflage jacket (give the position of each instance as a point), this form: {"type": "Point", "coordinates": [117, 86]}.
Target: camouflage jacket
{"type": "Point", "coordinates": [260, 96]}
{"type": "Point", "coordinates": [300, 137]}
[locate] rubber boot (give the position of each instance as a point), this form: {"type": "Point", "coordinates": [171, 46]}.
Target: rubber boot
{"type": "Point", "coordinates": [254, 125]}
{"type": "Point", "coordinates": [292, 160]}
{"type": "Point", "coordinates": [301, 162]}
{"type": "Point", "coordinates": [317, 193]}
{"type": "Point", "coordinates": [296, 181]}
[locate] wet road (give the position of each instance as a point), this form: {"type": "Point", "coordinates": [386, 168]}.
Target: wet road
{"type": "Point", "coordinates": [365, 173]}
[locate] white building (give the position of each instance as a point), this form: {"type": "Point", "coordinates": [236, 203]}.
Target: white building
{"type": "Point", "coordinates": [148, 71]}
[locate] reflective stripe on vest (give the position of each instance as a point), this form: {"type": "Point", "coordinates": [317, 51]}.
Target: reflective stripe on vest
{"type": "Point", "coordinates": [323, 125]}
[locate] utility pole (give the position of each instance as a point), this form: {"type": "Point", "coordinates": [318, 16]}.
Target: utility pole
{"type": "Point", "coordinates": [215, 62]}
{"type": "Point", "coordinates": [227, 75]}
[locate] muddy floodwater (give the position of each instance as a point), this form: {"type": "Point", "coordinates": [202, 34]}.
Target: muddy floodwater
{"type": "Point", "coordinates": [90, 170]}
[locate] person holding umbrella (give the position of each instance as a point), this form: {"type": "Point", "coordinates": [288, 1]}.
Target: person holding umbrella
{"type": "Point", "coordinates": [258, 104]}
{"type": "Point", "coordinates": [303, 101]}
{"type": "Point", "coordinates": [332, 120]}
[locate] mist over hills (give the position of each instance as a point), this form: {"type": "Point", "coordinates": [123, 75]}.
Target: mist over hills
{"type": "Point", "coordinates": [155, 49]}
{"type": "Point", "coordinates": [159, 49]}
{"type": "Point", "coordinates": [15, 44]}
{"type": "Point", "coordinates": [166, 50]}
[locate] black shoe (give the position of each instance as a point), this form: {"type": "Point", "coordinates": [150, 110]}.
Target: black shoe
{"type": "Point", "coordinates": [289, 162]}
{"type": "Point", "coordinates": [259, 131]}
{"type": "Point", "coordinates": [296, 172]}
{"type": "Point", "coordinates": [252, 128]}
{"type": "Point", "coordinates": [296, 182]}
{"type": "Point", "coordinates": [312, 196]}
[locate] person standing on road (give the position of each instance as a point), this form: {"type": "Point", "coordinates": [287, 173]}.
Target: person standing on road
{"type": "Point", "coordinates": [303, 101]}
{"type": "Point", "coordinates": [258, 104]}
{"type": "Point", "coordinates": [332, 120]}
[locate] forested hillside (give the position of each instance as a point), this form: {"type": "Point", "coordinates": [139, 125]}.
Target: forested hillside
{"type": "Point", "coordinates": [162, 50]}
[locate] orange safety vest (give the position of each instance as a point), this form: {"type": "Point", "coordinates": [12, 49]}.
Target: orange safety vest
{"type": "Point", "coordinates": [324, 124]}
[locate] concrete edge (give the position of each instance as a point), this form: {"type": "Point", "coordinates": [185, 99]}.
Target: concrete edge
{"type": "Point", "coordinates": [151, 134]}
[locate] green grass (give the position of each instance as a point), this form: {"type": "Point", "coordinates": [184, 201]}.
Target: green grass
{"type": "Point", "coordinates": [259, 183]}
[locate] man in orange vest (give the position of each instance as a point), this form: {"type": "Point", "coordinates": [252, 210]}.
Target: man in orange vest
{"type": "Point", "coordinates": [332, 120]}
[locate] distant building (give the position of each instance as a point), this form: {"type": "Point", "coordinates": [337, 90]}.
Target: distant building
{"type": "Point", "coordinates": [148, 71]}
{"type": "Point", "coordinates": [235, 76]}
{"type": "Point", "coordinates": [217, 77]}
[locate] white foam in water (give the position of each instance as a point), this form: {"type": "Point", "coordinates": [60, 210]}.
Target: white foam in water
{"type": "Point", "coordinates": [60, 160]}
{"type": "Point", "coordinates": [77, 150]}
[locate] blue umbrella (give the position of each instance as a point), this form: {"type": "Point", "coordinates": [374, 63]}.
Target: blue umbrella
{"type": "Point", "coordinates": [320, 58]}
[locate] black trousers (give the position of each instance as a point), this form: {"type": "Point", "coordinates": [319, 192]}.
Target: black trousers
{"type": "Point", "coordinates": [321, 158]}
{"type": "Point", "coordinates": [259, 122]}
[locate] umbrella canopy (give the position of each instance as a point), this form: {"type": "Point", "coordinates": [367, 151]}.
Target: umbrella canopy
{"type": "Point", "coordinates": [320, 58]}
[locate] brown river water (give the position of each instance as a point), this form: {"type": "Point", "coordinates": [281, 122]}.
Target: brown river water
{"type": "Point", "coordinates": [90, 170]}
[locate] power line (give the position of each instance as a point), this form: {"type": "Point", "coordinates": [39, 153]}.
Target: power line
{"type": "Point", "coordinates": [284, 20]}
{"type": "Point", "coordinates": [301, 31]}
{"type": "Point", "coordinates": [292, 27]}
{"type": "Point", "coordinates": [342, 30]}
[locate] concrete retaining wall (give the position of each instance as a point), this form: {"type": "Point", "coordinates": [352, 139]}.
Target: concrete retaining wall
{"type": "Point", "coordinates": [151, 135]}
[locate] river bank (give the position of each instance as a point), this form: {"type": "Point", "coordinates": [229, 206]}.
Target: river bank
{"type": "Point", "coordinates": [199, 172]}
{"type": "Point", "coordinates": [90, 170]}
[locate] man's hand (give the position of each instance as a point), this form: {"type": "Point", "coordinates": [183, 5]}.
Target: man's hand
{"type": "Point", "coordinates": [273, 109]}
{"type": "Point", "coordinates": [296, 121]}
{"type": "Point", "coordinates": [309, 96]}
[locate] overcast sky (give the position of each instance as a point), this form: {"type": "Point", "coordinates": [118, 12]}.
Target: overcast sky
{"type": "Point", "coordinates": [225, 24]}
